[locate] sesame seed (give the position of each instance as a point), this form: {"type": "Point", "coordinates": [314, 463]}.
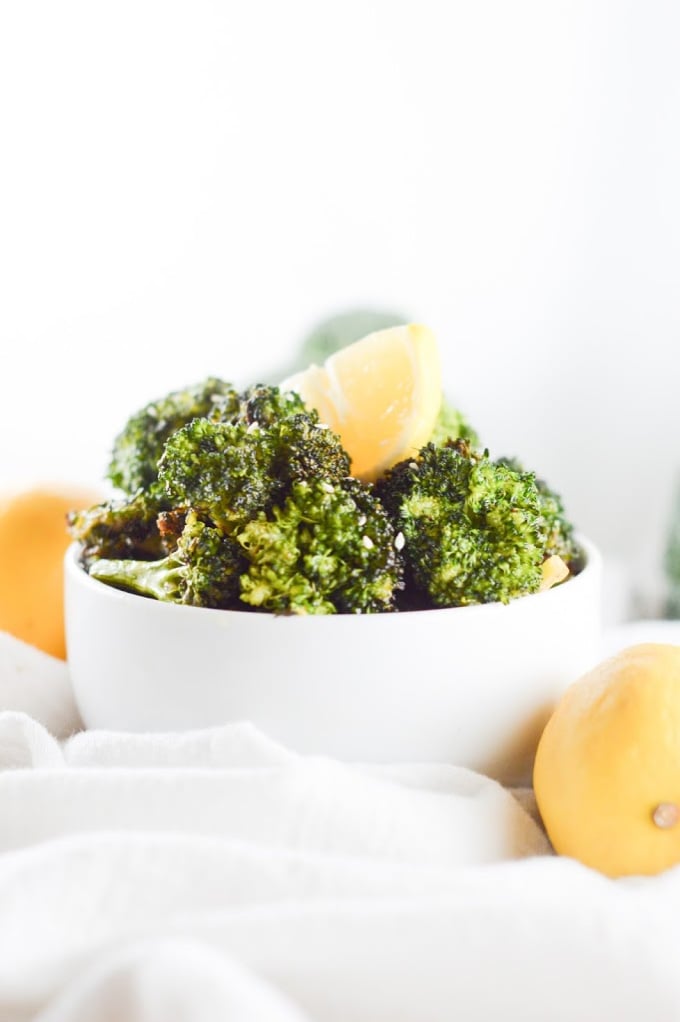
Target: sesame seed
{"type": "Point", "coordinates": [399, 541]}
{"type": "Point", "coordinates": [327, 487]}
{"type": "Point", "coordinates": [362, 520]}
{"type": "Point", "coordinates": [367, 542]}
{"type": "Point", "coordinates": [253, 427]}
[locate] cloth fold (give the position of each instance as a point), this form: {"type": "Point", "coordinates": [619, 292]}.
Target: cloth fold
{"type": "Point", "coordinates": [216, 874]}
{"type": "Point", "coordinates": [38, 685]}
{"type": "Point", "coordinates": [416, 814]}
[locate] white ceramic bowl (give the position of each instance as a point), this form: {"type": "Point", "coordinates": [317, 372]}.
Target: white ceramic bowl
{"type": "Point", "coordinates": [472, 686]}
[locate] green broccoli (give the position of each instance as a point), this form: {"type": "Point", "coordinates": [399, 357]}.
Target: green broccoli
{"type": "Point", "coordinates": [330, 548]}
{"type": "Point", "coordinates": [233, 470]}
{"type": "Point", "coordinates": [221, 469]}
{"type": "Point", "coordinates": [139, 445]}
{"type": "Point", "coordinates": [305, 448]}
{"type": "Point", "coordinates": [119, 528]}
{"type": "Point", "coordinates": [558, 531]}
{"type": "Point", "coordinates": [203, 570]}
{"type": "Point", "coordinates": [472, 527]}
{"type": "Point", "coordinates": [267, 405]}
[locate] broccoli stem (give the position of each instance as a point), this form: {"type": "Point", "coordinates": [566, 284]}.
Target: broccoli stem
{"type": "Point", "coordinates": [160, 579]}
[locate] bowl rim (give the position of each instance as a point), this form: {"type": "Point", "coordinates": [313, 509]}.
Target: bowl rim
{"type": "Point", "coordinates": [73, 568]}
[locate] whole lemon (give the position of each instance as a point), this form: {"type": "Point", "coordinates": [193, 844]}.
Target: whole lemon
{"type": "Point", "coordinates": [33, 541]}
{"type": "Point", "coordinates": [607, 768]}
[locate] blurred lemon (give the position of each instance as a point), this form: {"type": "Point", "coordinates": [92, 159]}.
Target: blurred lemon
{"type": "Point", "coordinates": [33, 541]}
{"type": "Point", "coordinates": [607, 769]}
{"type": "Point", "coordinates": [381, 394]}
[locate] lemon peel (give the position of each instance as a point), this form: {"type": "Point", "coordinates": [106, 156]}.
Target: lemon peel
{"type": "Point", "coordinates": [607, 767]}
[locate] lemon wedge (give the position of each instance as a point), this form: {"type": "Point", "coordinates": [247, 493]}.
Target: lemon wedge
{"type": "Point", "coordinates": [553, 571]}
{"type": "Point", "coordinates": [381, 394]}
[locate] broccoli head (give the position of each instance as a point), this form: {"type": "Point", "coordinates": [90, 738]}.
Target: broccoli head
{"type": "Point", "coordinates": [266, 405]}
{"type": "Point", "coordinates": [558, 531]}
{"type": "Point", "coordinates": [303, 446]}
{"type": "Point", "coordinates": [119, 528]}
{"type": "Point", "coordinates": [472, 527]}
{"type": "Point", "coordinates": [233, 470]}
{"type": "Point", "coordinates": [224, 470]}
{"type": "Point", "coordinates": [330, 548]}
{"type": "Point", "coordinates": [137, 448]}
{"type": "Point", "coordinates": [203, 569]}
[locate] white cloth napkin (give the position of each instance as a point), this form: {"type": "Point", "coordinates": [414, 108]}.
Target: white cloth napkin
{"type": "Point", "coordinates": [216, 875]}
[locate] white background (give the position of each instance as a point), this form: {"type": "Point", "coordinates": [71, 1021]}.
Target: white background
{"type": "Point", "coordinates": [187, 188]}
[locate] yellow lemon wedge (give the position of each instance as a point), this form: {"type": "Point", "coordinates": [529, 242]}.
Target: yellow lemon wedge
{"type": "Point", "coordinates": [33, 540]}
{"type": "Point", "coordinates": [381, 395]}
{"type": "Point", "coordinates": [553, 571]}
{"type": "Point", "coordinates": [607, 768]}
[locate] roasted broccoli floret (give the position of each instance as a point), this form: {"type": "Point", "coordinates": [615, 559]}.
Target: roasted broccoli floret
{"type": "Point", "coordinates": [266, 405]}
{"type": "Point", "coordinates": [451, 424]}
{"type": "Point", "coordinates": [119, 528]}
{"type": "Point", "coordinates": [472, 527]}
{"type": "Point", "coordinates": [203, 570]}
{"type": "Point", "coordinates": [557, 529]}
{"type": "Point", "coordinates": [305, 448]}
{"type": "Point", "coordinates": [139, 445]}
{"type": "Point", "coordinates": [330, 548]}
{"type": "Point", "coordinates": [233, 470]}
{"type": "Point", "coordinates": [217, 473]}
{"type": "Point", "coordinates": [222, 469]}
